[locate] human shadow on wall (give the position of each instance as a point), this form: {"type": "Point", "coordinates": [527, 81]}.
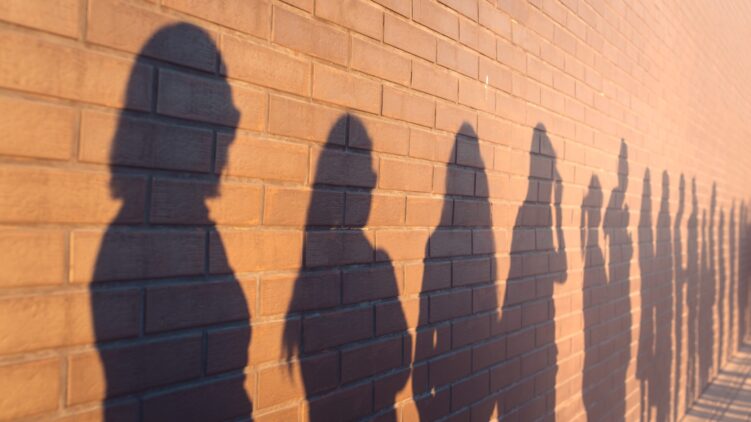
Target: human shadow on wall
{"type": "Point", "coordinates": [707, 294]}
{"type": "Point", "coordinates": [458, 280]}
{"type": "Point", "coordinates": [606, 298]}
{"type": "Point", "coordinates": [659, 388]}
{"type": "Point", "coordinates": [334, 240]}
{"type": "Point", "coordinates": [537, 261]}
{"type": "Point", "coordinates": [679, 287]}
{"type": "Point", "coordinates": [160, 248]}
{"type": "Point", "coordinates": [646, 350]}
{"type": "Point", "coordinates": [692, 298]}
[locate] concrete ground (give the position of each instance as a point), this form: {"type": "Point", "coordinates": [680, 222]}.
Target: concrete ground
{"type": "Point", "coordinates": [728, 398]}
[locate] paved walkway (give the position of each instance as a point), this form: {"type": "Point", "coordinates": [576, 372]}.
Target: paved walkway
{"type": "Point", "coordinates": [729, 397]}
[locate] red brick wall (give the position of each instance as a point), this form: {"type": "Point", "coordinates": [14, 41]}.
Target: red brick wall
{"type": "Point", "coordinates": [334, 209]}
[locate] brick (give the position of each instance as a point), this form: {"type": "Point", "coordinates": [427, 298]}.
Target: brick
{"type": "Point", "coordinates": [64, 196]}
{"type": "Point", "coordinates": [472, 213]}
{"type": "Point", "coordinates": [470, 390]}
{"type": "Point", "coordinates": [511, 55]}
{"type": "Point", "coordinates": [497, 76]}
{"type": "Point", "coordinates": [48, 321]}
{"type": "Point", "coordinates": [36, 129]}
{"type": "Point", "coordinates": [455, 119]}
{"type": "Point", "coordinates": [405, 175]}
{"type": "Point", "coordinates": [116, 24]}
{"type": "Point", "coordinates": [291, 207]}
{"type": "Point", "coordinates": [131, 255]}
{"type": "Point", "coordinates": [430, 212]}
{"type": "Point", "coordinates": [252, 18]}
{"type": "Point", "coordinates": [310, 37]}
{"type": "Point", "coordinates": [181, 201]}
{"type": "Point", "coordinates": [450, 243]}
{"type": "Point", "coordinates": [29, 388]}
{"type": "Point", "coordinates": [210, 100]}
{"type": "Point", "coordinates": [410, 38]}
{"type": "Point", "coordinates": [495, 20]}
{"type": "Point", "coordinates": [78, 74]}
{"type": "Point", "coordinates": [380, 61]}
{"type": "Point", "coordinates": [470, 152]}
{"type": "Point", "coordinates": [281, 383]}
{"type": "Point", "coordinates": [335, 328]}
{"type": "Point", "coordinates": [264, 66]}
{"type": "Point", "coordinates": [132, 368]}
{"type": "Point", "coordinates": [432, 341]}
{"type": "Point", "coordinates": [396, 316]}
{"type": "Point", "coordinates": [471, 271]}
{"type": "Point", "coordinates": [344, 404]}
{"type": "Point", "coordinates": [431, 275]}
{"type": "Point", "coordinates": [371, 358]}
{"type": "Point", "coordinates": [237, 347]}
{"type": "Point", "coordinates": [304, 292]}
{"type": "Point", "coordinates": [23, 249]}
{"type": "Point", "coordinates": [435, 17]}
{"type": "Point", "coordinates": [466, 8]}
{"type": "Point", "coordinates": [122, 140]}
{"type": "Point", "coordinates": [476, 95]}
{"type": "Point", "coordinates": [346, 89]}
{"type": "Point", "coordinates": [306, 5]}
{"type": "Point", "coordinates": [401, 244]}
{"type": "Point", "coordinates": [469, 330]}
{"type": "Point", "coordinates": [399, 386]}
{"type": "Point", "coordinates": [378, 135]}
{"type": "Point", "coordinates": [398, 6]}
{"type": "Point", "coordinates": [374, 209]}
{"type": "Point", "coordinates": [432, 407]}
{"type": "Point", "coordinates": [334, 167]}
{"type": "Point", "coordinates": [445, 306]}
{"type": "Point", "coordinates": [493, 130]}
{"type": "Point", "coordinates": [277, 249]}
{"type": "Point", "coordinates": [454, 181]}
{"type": "Point", "coordinates": [60, 18]}
{"type": "Point", "coordinates": [477, 38]}
{"type": "Point", "coordinates": [223, 399]}
{"type": "Point", "coordinates": [262, 158]}
{"type": "Point", "coordinates": [340, 247]}
{"type": "Point", "coordinates": [457, 58]}
{"type": "Point", "coordinates": [191, 305]}
{"type": "Point", "coordinates": [431, 146]}
{"type": "Point", "coordinates": [353, 14]}
{"type": "Point", "coordinates": [490, 353]}
{"type": "Point", "coordinates": [434, 82]}
{"type": "Point", "coordinates": [449, 368]}
{"type": "Point", "coordinates": [312, 122]}
{"type": "Point", "coordinates": [370, 283]}
{"type": "Point", "coordinates": [403, 105]}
